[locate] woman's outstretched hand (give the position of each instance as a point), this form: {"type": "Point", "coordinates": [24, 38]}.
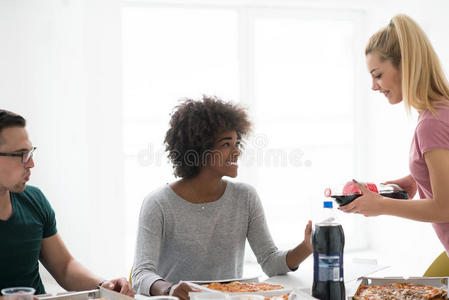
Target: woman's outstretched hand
{"type": "Point", "coordinates": [369, 204]}
{"type": "Point", "coordinates": [406, 183]}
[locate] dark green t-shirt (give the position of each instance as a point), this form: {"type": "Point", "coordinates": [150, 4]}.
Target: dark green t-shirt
{"type": "Point", "coordinates": [21, 236]}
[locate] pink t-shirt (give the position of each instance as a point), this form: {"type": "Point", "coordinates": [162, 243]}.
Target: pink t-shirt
{"type": "Point", "coordinates": [431, 132]}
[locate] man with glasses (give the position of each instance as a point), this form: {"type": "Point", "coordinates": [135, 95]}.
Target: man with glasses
{"type": "Point", "coordinates": [28, 225]}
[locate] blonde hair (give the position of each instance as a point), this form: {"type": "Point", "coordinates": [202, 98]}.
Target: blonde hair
{"type": "Point", "coordinates": [406, 45]}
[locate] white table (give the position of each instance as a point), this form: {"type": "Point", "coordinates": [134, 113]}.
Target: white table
{"type": "Point", "coordinates": [303, 277]}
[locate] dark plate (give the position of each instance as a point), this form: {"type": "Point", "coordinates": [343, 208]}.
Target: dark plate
{"type": "Point", "coordinates": [344, 200]}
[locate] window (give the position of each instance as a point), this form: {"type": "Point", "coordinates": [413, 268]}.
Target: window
{"type": "Point", "coordinates": [294, 69]}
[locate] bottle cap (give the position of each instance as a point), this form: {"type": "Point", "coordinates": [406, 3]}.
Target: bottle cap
{"type": "Point", "coordinates": [327, 204]}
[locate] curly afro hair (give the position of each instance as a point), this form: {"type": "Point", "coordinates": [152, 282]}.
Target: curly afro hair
{"type": "Point", "coordinates": [194, 126]}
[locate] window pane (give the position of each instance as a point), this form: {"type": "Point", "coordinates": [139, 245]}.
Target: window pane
{"type": "Point", "coordinates": [168, 54]}
{"type": "Point", "coordinates": [172, 53]}
{"type": "Point", "coordinates": [304, 67]}
{"type": "Point", "coordinates": [304, 109]}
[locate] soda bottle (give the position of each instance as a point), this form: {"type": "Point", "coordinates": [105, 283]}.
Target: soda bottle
{"type": "Point", "coordinates": [351, 192]}
{"type": "Point", "coordinates": [328, 241]}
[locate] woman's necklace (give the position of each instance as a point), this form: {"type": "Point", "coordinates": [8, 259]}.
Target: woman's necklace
{"type": "Point", "coordinates": [196, 198]}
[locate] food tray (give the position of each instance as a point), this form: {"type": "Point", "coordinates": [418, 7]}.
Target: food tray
{"type": "Point", "coordinates": [85, 295]}
{"type": "Point", "coordinates": [295, 294]}
{"type": "Point", "coordinates": [439, 282]}
{"type": "Point", "coordinates": [268, 293]}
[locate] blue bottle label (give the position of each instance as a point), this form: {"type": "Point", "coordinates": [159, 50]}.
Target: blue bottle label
{"type": "Point", "coordinates": [328, 267]}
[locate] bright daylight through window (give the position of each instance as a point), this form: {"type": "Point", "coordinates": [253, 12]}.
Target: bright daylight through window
{"type": "Point", "coordinates": [263, 59]}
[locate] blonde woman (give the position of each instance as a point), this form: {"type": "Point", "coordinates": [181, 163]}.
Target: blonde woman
{"type": "Point", "coordinates": [405, 68]}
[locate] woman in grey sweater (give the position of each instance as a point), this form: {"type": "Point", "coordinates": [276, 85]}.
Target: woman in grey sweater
{"type": "Point", "coordinates": [196, 228]}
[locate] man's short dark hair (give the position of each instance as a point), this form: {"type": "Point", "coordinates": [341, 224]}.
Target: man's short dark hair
{"type": "Point", "coordinates": [10, 119]}
{"type": "Point", "coordinates": [194, 126]}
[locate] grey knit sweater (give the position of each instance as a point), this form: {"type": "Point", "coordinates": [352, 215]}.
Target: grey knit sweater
{"type": "Point", "coordinates": [179, 240]}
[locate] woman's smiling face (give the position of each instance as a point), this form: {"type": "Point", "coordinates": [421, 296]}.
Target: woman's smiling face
{"type": "Point", "coordinates": [386, 78]}
{"type": "Point", "coordinates": [224, 155]}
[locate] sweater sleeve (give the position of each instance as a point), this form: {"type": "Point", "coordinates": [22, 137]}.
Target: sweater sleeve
{"type": "Point", "coordinates": [149, 239]}
{"type": "Point", "coordinates": [272, 260]}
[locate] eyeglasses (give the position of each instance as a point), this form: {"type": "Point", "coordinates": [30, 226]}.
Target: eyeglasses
{"type": "Point", "coordinates": [26, 156]}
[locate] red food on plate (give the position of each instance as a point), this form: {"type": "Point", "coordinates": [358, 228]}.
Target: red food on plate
{"type": "Point", "coordinates": [372, 187]}
{"type": "Point", "coordinates": [350, 188]}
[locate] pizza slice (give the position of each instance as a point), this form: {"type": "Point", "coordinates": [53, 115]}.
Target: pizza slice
{"type": "Point", "coordinates": [242, 287]}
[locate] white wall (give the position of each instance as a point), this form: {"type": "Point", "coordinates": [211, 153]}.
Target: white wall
{"type": "Point", "coordinates": [60, 67]}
